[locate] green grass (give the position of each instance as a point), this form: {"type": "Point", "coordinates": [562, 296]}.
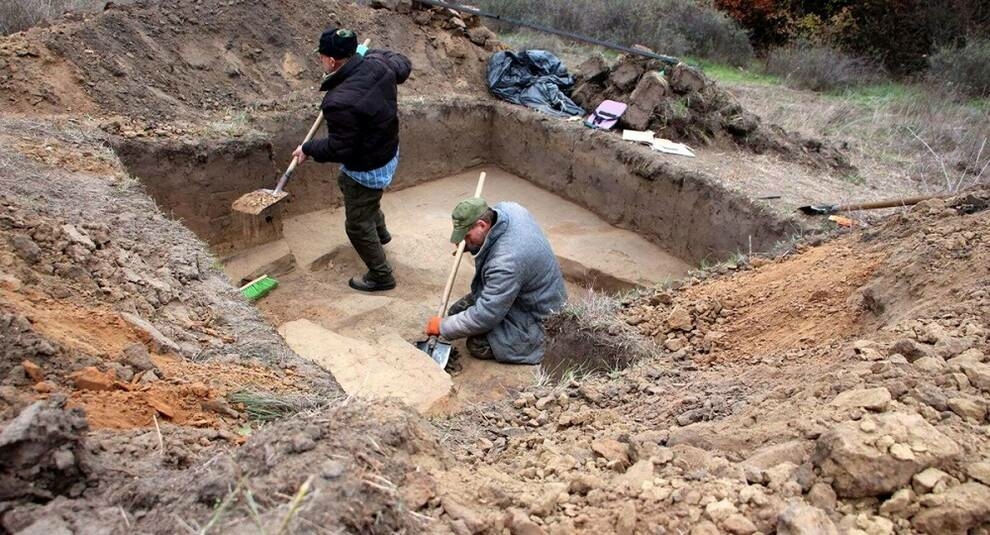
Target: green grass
{"type": "Point", "coordinates": [729, 75]}
{"type": "Point", "coordinates": [877, 94]}
{"type": "Point", "coordinates": [853, 178]}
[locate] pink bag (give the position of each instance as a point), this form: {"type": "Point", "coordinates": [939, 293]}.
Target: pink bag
{"type": "Point", "coordinates": [606, 115]}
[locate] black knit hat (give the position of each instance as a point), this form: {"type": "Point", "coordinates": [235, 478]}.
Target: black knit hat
{"type": "Point", "coordinates": [338, 43]}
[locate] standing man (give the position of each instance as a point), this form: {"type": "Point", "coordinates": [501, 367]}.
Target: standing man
{"type": "Point", "coordinates": [361, 110]}
{"type": "Point", "coordinates": [517, 284]}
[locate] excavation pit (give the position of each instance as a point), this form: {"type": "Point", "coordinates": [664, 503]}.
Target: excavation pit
{"type": "Point", "coordinates": [618, 216]}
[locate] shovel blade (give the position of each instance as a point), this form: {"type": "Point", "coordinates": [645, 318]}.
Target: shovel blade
{"type": "Point", "coordinates": [818, 209]}
{"type": "Point", "coordinates": [257, 201]}
{"type": "Point", "coordinates": [440, 353]}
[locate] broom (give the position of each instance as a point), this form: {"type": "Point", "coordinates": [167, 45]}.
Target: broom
{"type": "Point", "coordinates": [259, 287]}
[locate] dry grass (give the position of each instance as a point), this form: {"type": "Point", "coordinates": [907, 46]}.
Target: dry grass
{"type": "Point", "coordinates": [820, 68]}
{"type": "Point", "coordinates": [896, 133]}
{"type": "Point", "coordinates": [588, 336]}
{"type": "Point", "coordinates": [673, 27]}
{"type": "Point", "coordinates": [17, 15]}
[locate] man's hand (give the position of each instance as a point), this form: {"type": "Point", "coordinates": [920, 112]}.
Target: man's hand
{"type": "Point", "coordinates": [433, 326]}
{"type": "Point", "coordinates": [299, 155]}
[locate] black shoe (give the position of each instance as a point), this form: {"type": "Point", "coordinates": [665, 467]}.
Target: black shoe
{"type": "Point", "coordinates": [365, 283]}
{"type": "Point", "coordinates": [384, 239]}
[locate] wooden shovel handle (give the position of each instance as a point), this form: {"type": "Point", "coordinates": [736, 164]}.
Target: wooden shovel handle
{"type": "Point", "coordinates": [457, 259]}
{"type": "Point", "coordinates": [889, 203]}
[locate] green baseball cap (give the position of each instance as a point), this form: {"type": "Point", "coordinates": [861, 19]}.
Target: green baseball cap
{"type": "Point", "coordinates": [466, 214]}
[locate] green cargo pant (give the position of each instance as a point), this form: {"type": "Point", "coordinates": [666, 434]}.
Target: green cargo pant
{"type": "Point", "coordinates": [477, 346]}
{"type": "Point", "coordinates": [364, 223]}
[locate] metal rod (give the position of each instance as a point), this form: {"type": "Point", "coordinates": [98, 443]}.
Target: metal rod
{"type": "Point", "coordinates": [669, 60]}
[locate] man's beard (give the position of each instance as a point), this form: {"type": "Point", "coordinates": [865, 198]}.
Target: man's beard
{"type": "Point", "coordinates": [473, 249]}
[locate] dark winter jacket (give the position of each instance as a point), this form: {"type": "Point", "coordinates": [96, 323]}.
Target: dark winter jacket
{"type": "Point", "coordinates": [362, 112]}
{"type": "Point", "coordinates": [517, 284]}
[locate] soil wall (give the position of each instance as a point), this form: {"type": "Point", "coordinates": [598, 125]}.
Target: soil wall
{"type": "Point", "coordinates": [630, 186]}
{"type": "Point", "coordinates": [686, 212]}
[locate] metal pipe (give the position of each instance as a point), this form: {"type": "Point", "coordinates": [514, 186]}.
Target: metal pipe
{"type": "Point", "coordinates": [669, 60]}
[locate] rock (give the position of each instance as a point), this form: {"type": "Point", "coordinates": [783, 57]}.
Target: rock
{"type": "Point", "coordinates": [625, 521]}
{"type": "Point", "coordinates": [636, 475]}
{"type": "Point", "coordinates": [520, 524]}
{"type": "Point", "coordinates": [822, 496]}
{"type": "Point", "coordinates": [743, 124]}
{"type": "Point", "coordinates": [685, 79]}
{"type": "Point", "coordinates": [873, 399]}
{"type": "Point", "coordinates": [867, 350]}
{"type": "Point", "coordinates": [137, 357]}
{"type": "Point", "coordinates": [90, 378]}
{"type": "Point", "coordinates": [651, 90]}
{"type": "Point", "coordinates": [625, 75]}
{"type": "Point", "coordinates": [720, 510]}
{"type": "Point", "coordinates": [74, 235]}
{"type": "Point", "coordinates": [691, 416]}
{"type": "Point", "coordinates": [705, 528]}
{"type": "Point", "coordinates": [969, 409]}
{"type": "Point", "coordinates": [979, 471]}
{"type": "Point", "coordinates": [419, 488]}
{"type": "Point", "coordinates": [149, 377]}
{"type": "Point", "coordinates": [42, 452]}
{"type": "Point", "coordinates": [957, 510]}
{"type": "Point", "coordinates": [332, 469]}
{"type": "Point", "coordinates": [593, 69]}
{"type": "Point", "coordinates": [901, 452]}
{"type": "Point", "coordinates": [680, 319]}
{"type": "Point", "coordinates": [897, 503]}
{"type": "Point", "coordinates": [48, 525]}
{"type": "Point", "coordinates": [582, 484]}
{"type": "Point", "coordinates": [613, 451]}
{"type": "Point", "coordinates": [545, 504]}
{"type": "Point", "coordinates": [860, 466]}
{"type": "Point", "coordinates": [794, 451]}
{"type": "Point", "coordinates": [978, 374]}
{"type": "Point", "coordinates": [738, 524]}
{"type": "Point", "coordinates": [457, 511]}
{"type": "Point", "coordinates": [33, 371]}
{"type": "Point", "coordinates": [159, 342]}
{"type": "Point", "coordinates": [27, 249]}
{"type": "Point", "coordinates": [780, 474]}
{"type": "Point", "coordinates": [929, 364]}
{"type": "Point", "coordinates": [911, 350]}
{"type": "Point", "coordinates": [480, 35]}
{"type": "Point", "coordinates": [933, 397]}
{"type": "Point", "coordinates": [927, 479]}
{"type": "Point", "coordinates": [800, 519]}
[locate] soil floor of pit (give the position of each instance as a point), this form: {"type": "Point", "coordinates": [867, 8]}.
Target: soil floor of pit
{"type": "Point", "coordinates": [319, 260]}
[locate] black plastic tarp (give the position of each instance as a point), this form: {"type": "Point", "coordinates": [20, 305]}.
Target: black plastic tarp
{"type": "Point", "coordinates": [533, 78]}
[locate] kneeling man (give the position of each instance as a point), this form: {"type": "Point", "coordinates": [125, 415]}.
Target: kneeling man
{"type": "Point", "coordinates": [516, 285]}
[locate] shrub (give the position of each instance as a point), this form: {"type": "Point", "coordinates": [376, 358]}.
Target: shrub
{"type": "Point", "coordinates": [674, 27]}
{"type": "Point", "coordinates": [966, 68]}
{"type": "Point", "coordinates": [17, 15]}
{"type": "Point", "coordinates": [820, 68]}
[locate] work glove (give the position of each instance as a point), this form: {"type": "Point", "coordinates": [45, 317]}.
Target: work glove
{"type": "Point", "coordinates": [433, 326]}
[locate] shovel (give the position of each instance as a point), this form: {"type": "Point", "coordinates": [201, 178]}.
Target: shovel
{"type": "Point", "coordinates": [826, 209]}
{"type": "Point", "coordinates": [260, 200]}
{"type": "Point", "coordinates": [437, 350]}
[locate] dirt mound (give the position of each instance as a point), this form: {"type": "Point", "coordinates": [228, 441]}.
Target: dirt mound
{"type": "Point", "coordinates": [41, 453]}
{"type": "Point", "coordinates": [188, 58]}
{"type": "Point", "coordinates": [682, 104]}
{"type": "Point", "coordinates": [362, 468]}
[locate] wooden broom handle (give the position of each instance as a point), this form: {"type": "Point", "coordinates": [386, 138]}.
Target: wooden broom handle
{"type": "Point", "coordinates": [457, 259]}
